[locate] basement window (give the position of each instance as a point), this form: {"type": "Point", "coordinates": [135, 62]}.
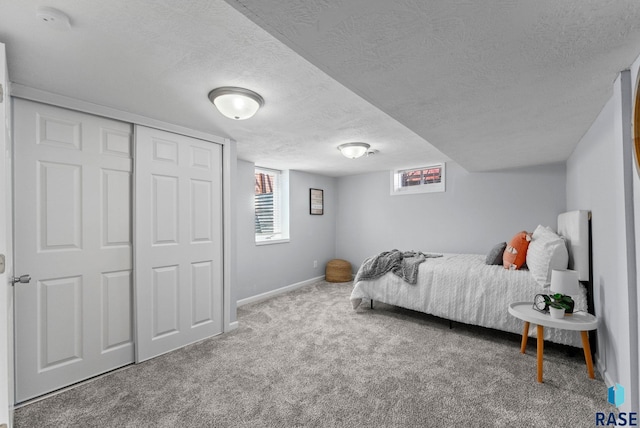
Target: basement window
{"type": "Point", "coordinates": [424, 179]}
{"type": "Point", "coordinates": [271, 203]}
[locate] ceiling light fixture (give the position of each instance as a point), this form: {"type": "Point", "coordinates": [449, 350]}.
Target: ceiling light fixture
{"type": "Point", "coordinates": [236, 103]}
{"type": "Point", "coordinates": [353, 150]}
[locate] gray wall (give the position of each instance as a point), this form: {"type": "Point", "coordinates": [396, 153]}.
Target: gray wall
{"type": "Point", "coordinates": [595, 181]}
{"type": "Point", "coordinates": [477, 211]}
{"type": "Point", "coordinates": [634, 294]}
{"type": "Point", "coordinates": [265, 268]}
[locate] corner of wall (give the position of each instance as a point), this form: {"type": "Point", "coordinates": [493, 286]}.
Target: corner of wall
{"type": "Point", "coordinates": [230, 171]}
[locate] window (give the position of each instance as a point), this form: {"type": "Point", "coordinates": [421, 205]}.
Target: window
{"type": "Point", "coordinates": [424, 179]}
{"type": "Point", "coordinates": [271, 202]}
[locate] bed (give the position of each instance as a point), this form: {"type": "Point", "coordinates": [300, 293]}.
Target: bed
{"type": "Point", "coordinates": [463, 288]}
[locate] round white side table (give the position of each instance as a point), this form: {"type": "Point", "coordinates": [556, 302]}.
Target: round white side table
{"type": "Point", "coordinates": [579, 321]}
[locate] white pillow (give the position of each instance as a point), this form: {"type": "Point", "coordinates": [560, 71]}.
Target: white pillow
{"type": "Point", "coordinates": [547, 251]}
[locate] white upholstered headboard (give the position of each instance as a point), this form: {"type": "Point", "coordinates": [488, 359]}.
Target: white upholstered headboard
{"type": "Point", "coordinates": [574, 226]}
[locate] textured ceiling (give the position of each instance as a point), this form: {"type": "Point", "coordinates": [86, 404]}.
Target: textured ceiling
{"type": "Point", "coordinates": [160, 59]}
{"type": "Point", "coordinates": [494, 84]}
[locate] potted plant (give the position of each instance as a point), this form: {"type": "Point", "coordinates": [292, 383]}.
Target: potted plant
{"type": "Point", "coordinates": [560, 305]}
{"type": "Point", "coordinates": [556, 310]}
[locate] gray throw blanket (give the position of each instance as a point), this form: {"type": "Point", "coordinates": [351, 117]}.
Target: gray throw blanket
{"type": "Point", "coordinates": [404, 264]}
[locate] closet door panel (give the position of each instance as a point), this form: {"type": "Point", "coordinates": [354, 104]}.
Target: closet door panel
{"type": "Point", "coordinates": [178, 241]}
{"type": "Point", "coordinates": [73, 320]}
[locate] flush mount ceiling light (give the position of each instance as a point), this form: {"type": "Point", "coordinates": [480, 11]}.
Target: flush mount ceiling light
{"type": "Point", "coordinates": [236, 103]}
{"type": "Point", "coordinates": [353, 150]}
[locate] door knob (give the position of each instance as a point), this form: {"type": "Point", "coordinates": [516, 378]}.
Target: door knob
{"type": "Point", "coordinates": [23, 279]}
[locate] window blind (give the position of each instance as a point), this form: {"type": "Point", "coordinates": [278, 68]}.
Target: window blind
{"type": "Point", "coordinates": [267, 202]}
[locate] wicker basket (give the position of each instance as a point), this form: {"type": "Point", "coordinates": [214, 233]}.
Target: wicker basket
{"type": "Point", "coordinates": [338, 271]}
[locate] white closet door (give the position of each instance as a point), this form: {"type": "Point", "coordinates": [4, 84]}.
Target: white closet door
{"type": "Point", "coordinates": [73, 320]}
{"type": "Point", "coordinates": [178, 245]}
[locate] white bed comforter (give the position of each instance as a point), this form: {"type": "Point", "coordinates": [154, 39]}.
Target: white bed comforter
{"type": "Point", "coordinates": [461, 287]}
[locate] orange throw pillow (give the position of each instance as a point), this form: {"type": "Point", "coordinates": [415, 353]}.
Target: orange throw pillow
{"type": "Point", "coordinates": [515, 254]}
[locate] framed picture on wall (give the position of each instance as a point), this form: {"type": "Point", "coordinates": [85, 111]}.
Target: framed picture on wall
{"type": "Point", "coordinates": [316, 201]}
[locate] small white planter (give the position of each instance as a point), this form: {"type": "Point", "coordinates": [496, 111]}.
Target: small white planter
{"type": "Point", "coordinates": [556, 313]}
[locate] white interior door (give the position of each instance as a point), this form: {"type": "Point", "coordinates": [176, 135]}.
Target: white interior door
{"type": "Point", "coordinates": [73, 237]}
{"type": "Point", "coordinates": [178, 245]}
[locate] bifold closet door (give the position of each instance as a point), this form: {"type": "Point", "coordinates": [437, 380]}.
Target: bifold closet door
{"type": "Point", "coordinates": [178, 245]}
{"type": "Point", "coordinates": [72, 187]}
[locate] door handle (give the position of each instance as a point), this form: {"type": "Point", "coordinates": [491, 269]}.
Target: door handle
{"type": "Point", "coordinates": [22, 279]}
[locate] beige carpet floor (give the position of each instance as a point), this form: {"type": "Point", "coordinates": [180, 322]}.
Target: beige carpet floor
{"type": "Point", "coordinates": [306, 359]}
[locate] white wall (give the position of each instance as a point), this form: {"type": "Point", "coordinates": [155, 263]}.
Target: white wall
{"type": "Point", "coordinates": [265, 268]}
{"type": "Point", "coordinates": [6, 290]}
{"type": "Point", "coordinates": [230, 166]}
{"type": "Point", "coordinates": [596, 182]}
{"type": "Point", "coordinates": [477, 211]}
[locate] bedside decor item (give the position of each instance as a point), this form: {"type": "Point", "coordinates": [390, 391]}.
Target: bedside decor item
{"type": "Point", "coordinates": [560, 301]}
{"type": "Point", "coordinates": [556, 312]}
{"type": "Point", "coordinates": [564, 283]}
{"type": "Point", "coordinates": [338, 270]}
{"type": "Point", "coordinates": [541, 303]}
{"type": "Point", "coordinates": [316, 201]}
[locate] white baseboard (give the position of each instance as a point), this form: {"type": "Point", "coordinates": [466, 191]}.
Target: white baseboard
{"type": "Point", "coordinates": [277, 291]}
{"type": "Point", "coordinates": [232, 326]}
{"type": "Point", "coordinates": [603, 372]}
